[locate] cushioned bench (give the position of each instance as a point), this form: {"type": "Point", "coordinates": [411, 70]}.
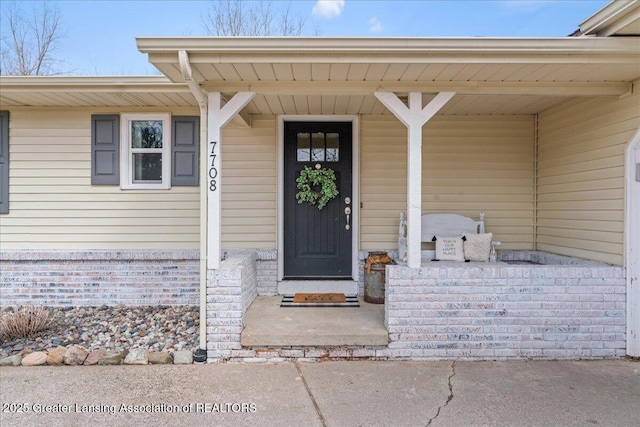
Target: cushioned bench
{"type": "Point", "coordinates": [448, 228]}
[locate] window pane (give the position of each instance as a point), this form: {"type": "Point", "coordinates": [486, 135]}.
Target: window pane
{"type": "Point", "coordinates": [317, 147]}
{"type": "Point", "coordinates": [304, 147]}
{"type": "Point", "coordinates": [333, 147]}
{"type": "Point", "coordinates": [147, 167]}
{"type": "Point", "coordinates": [146, 134]}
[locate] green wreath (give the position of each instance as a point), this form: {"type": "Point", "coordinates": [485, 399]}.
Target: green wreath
{"type": "Point", "coordinates": [308, 183]}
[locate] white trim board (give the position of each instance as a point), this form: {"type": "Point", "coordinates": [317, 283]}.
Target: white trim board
{"type": "Point", "coordinates": [632, 244]}
{"type": "Point", "coordinates": [355, 138]}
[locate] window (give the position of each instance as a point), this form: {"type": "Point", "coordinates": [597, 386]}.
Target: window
{"type": "Point", "coordinates": [146, 151]}
{"type": "Point", "coordinates": [318, 147]}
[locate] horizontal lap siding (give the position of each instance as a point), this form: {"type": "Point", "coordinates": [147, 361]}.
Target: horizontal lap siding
{"type": "Point", "coordinates": [383, 180]}
{"type": "Point", "coordinates": [54, 205]}
{"type": "Point", "coordinates": [470, 164]}
{"type": "Point", "coordinates": [581, 177]}
{"type": "Point", "coordinates": [249, 183]}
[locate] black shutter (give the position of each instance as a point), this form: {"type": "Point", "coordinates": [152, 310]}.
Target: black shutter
{"type": "Point", "coordinates": [185, 150]}
{"type": "Point", "coordinates": [105, 149]}
{"type": "Point", "coordinates": [4, 162]}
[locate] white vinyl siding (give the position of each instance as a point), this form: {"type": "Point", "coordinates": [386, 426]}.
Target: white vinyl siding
{"type": "Point", "coordinates": [470, 164]}
{"type": "Point", "coordinates": [581, 177]}
{"type": "Point", "coordinates": [54, 205]}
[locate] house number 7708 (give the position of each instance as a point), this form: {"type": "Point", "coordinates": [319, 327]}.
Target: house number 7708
{"type": "Point", "coordinates": [213, 171]}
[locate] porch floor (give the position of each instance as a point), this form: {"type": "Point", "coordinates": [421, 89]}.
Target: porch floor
{"type": "Point", "coordinates": [269, 325]}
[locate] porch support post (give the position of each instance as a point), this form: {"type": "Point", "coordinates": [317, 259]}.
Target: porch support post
{"type": "Point", "coordinates": [414, 117]}
{"type": "Point", "coordinates": [218, 117]}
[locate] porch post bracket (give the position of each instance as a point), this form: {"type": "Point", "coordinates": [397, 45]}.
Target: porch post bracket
{"type": "Point", "coordinates": [218, 117]}
{"type": "Point", "coordinates": [414, 116]}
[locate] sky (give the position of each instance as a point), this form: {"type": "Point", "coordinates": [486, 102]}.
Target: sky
{"type": "Point", "coordinates": [99, 35]}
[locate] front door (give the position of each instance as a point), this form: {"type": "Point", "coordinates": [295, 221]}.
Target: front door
{"type": "Point", "coordinates": [317, 242]}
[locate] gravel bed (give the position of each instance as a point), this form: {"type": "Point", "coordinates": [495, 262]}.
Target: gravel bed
{"type": "Point", "coordinates": [154, 328]}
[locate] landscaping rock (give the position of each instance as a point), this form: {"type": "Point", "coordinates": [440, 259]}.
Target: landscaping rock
{"type": "Point", "coordinates": [56, 356]}
{"type": "Point", "coordinates": [137, 356]}
{"type": "Point", "coordinates": [36, 358]}
{"type": "Point", "coordinates": [154, 328]}
{"type": "Point", "coordinates": [75, 355]}
{"type": "Point", "coordinates": [15, 360]}
{"type": "Point", "coordinates": [94, 357]}
{"type": "Point", "coordinates": [111, 358]}
{"type": "Point", "coordinates": [182, 357]}
{"type": "Point", "coordinates": [160, 358]}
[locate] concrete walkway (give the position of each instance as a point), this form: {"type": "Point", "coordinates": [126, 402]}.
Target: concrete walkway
{"type": "Point", "coordinates": [361, 393]}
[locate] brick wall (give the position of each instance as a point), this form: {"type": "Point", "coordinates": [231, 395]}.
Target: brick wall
{"type": "Point", "coordinates": [230, 291]}
{"type": "Point", "coordinates": [474, 311]}
{"type": "Point", "coordinates": [94, 278]}
{"type": "Point", "coordinates": [267, 272]}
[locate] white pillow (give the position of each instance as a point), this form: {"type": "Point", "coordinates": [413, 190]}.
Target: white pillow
{"type": "Point", "coordinates": [449, 248]}
{"type": "Point", "coordinates": [477, 247]}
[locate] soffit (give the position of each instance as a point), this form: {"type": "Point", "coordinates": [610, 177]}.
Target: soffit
{"type": "Point", "coordinates": [26, 93]}
{"type": "Point", "coordinates": [105, 91]}
{"type": "Point", "coordinates": [226, 62]}
{"type": "Point", "coordinates": [339, 76]}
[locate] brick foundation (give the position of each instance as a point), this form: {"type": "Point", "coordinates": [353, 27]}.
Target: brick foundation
{"type": "Point", "coordinates": [94, 278]}
{"type": "Point", "coordinates": [573, 309]}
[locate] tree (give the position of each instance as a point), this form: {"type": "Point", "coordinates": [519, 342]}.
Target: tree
{"type": "Point", "coordinates": [242, 18]}
{"type": "Point", "coordinates": [29, 40]}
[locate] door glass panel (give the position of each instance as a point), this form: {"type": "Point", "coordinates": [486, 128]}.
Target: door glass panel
{"type": "Point", "coordinates": [317, 147]}
{"type": "Point", "coordinates": [333, 144]}
{"type": "Point", "coordinates": [146, 134]}
{"type": "Point", "coordinates": [304, 147]}
{"type": "Point", "coordinates": [147, 167]}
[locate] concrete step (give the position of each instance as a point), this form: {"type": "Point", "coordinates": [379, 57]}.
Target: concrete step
{"type": "Point", "coordinates": [269, 325]}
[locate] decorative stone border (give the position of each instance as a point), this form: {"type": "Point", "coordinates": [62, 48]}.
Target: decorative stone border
{"type": "Point", "coordinates": [76, 355]}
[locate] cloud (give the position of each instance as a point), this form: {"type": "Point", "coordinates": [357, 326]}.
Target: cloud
{"type": "Point", "coordinates": [328, 8]}
{"type": "Point", "coordinates": [375, 26]}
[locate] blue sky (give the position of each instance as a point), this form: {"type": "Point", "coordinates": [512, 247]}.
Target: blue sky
{"type": "Point", "coordinates": [100, 35]}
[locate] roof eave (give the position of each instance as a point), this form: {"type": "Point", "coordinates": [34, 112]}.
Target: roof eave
{"type": "Point", "coordinates": [84, 81]}
{"type": "Point", "coordinates": [379, 46]}
{"type": "Point", "coordinates": [610, 18]}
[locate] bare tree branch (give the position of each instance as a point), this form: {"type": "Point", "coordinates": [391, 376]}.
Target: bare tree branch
{"type": "Point", "coordinates": [290, 25]}
{"type": "Point", "coordinates": [242, 18]}
{"type": "Point", "coordinates": [28, 44]}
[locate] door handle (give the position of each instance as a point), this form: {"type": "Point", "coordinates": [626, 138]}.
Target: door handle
{"type": "Point", "coordinates": [347, 211]}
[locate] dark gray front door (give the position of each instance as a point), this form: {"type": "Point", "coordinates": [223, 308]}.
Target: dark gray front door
{"type": "Point", "coordinates": [317, 243]}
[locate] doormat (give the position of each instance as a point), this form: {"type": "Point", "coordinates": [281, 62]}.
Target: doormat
{"type": "Point", "coordinates": [319, 300]}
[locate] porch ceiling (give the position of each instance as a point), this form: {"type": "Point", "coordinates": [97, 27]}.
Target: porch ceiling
{"type": "Point", "coordinates": [339, 76]}
{"type": "Point", "coordinates": [34, 91]}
